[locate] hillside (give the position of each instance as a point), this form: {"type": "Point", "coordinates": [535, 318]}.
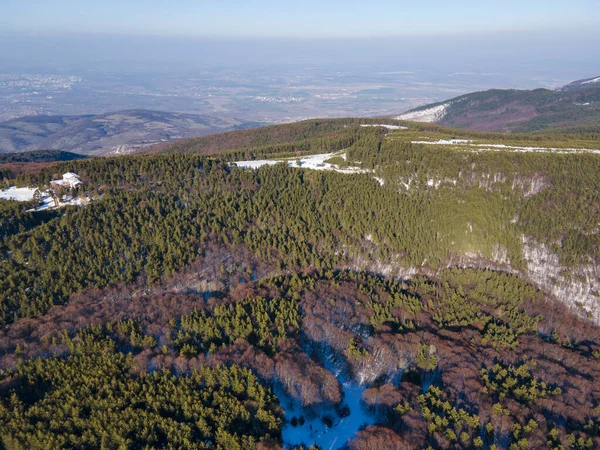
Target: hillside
{"type": "Point", "coordinates": [348, 283]}
{"type": "Point", "coordinates": [110, 133]}
{"type": "Point", "coordinates": [39, 156]}
{"type": "Point", "coordinates": [586, 83]}
{"type": "Point", "coordinates": [577, 104]}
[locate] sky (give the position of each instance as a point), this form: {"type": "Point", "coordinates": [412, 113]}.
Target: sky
{"type": "Point", "coordinates": [533, 36]}
{"type": "Point", "coordinates": [306, 19]}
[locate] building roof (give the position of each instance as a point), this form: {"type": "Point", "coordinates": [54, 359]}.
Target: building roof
{"type": "Point", "coordinates": [69, 179]}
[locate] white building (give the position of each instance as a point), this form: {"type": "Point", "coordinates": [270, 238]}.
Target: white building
{"type": "Point", "coordinates": [69, 179]}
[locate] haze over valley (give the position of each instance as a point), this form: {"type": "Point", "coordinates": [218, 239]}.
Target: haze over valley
{"type": "Point", "coordinates": [232, 84]}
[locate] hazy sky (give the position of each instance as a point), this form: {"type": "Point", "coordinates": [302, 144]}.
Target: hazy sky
{"type": "Point", "coordinates": [304, 18]}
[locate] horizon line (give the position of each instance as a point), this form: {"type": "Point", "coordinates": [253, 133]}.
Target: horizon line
{"type": "Point", "coordinates": [577, 30]}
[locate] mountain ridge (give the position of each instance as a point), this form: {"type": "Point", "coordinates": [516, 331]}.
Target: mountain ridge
{"type": "Point", "coordinates": [515, 110]}
{"type": "Point", "coordinates": [582, 84]}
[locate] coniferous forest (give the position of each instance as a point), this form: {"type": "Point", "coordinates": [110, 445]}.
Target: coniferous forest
{"type": "Point", "coordinates": [450, 277]}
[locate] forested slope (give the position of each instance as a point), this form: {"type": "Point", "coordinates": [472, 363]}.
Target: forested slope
{"type": "Point", "coordinates": [39, 156]}
{"type": "Point", "coordinates": [514, 110]}
{"type": "Point", "coordinates": [451, 282]}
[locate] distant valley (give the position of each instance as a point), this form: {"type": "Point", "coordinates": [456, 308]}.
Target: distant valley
{"type": "Point", "coordinates": [111, 133]}
{"type": "Point", "coordinates": [506, 110]}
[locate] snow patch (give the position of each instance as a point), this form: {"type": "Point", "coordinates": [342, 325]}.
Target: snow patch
{"type": "Point", "coordinates": [314, 431]}
{"type": "Point", "coordinates": [433, 183]}
{"type": "Point", "coordinates": [593, 80]}
{"type": "Point", "coordinates": [48, 202]}
{"type": "Point", "coordinates": [256, 164]}
{"type": "Point", "coordinates": [513, 148]}
{"type": "Point", "coordinates": [444, 142]}
{"type": "Point", "coordinates": [23, 194]}
{"type": "Point", "coordinates": [334, 432]}
{"type": "Point", "coordinates": [530, 185]}
{"type": "Point", "coordinates": [124, 149]}
{"type": "Point", "coordinates": [410, 183]}
{"type": "Point", "coordinates": [315, 162]}
{"type": "Point", "coordinates": [389, 127]}
{"type": "Point", "coordinates": [429, 115]}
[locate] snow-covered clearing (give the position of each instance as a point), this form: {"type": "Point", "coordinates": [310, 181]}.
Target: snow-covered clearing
{"type": "Point", "coordinates": [444, 142]}
{"type": "Point", "coordinates": [429, 115]}
{"type": "Point", "coordinates": [501, 147]}
{"type": "Point", "coordinates": [315, 431]}
{"type": "Point", "coordinates": [23, 194]}
{"type": "Point", "coordinates": [315, 162]}
{"type": "Point", "coordinates": [389, 127]}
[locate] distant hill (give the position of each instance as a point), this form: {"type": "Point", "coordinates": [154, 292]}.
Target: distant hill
{"type": "Point", "coordinates": [110, 133]}
{"type": "Point", "coordinates": [39, 156]}
{"type": "Point", "coordinates": [582, 84]}
{"type": "Point", "coordinates": [511, 110]}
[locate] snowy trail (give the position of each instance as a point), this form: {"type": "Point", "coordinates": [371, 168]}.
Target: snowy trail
{"type": "Point", "coordinates": [389, 127]}
{"type": "Point", "coordinates": [500, 147]}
